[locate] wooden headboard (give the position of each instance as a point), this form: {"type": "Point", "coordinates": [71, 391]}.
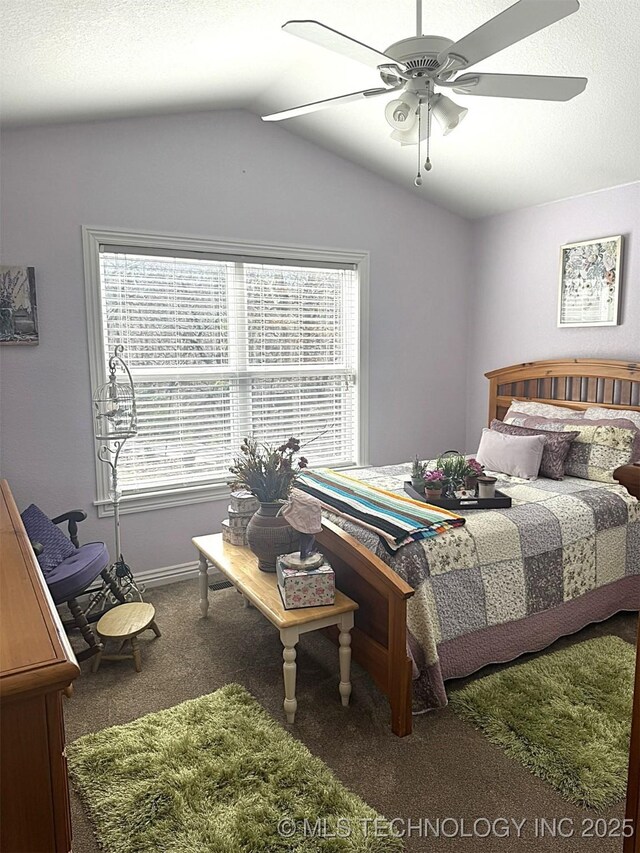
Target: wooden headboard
{"type": "Point", "coordinates": [576, 383]}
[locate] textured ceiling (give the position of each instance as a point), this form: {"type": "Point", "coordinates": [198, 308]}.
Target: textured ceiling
{"type": "Point", "coordinates": [69, 60]}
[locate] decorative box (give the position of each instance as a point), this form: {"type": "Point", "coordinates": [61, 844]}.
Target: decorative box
{"type": "Point", "coordinates": [238, 519]}
{"type": "Point", "coordinates": [233, 535]}
{"type": "Point", "coordinates": [234, 528]}
{"type": "Point", "coordinates": [301, 588]}
{"type": "Point", "coordinates": [244, 503]}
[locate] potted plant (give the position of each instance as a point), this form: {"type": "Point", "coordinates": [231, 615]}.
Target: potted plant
{"type": "Point", "coordinates": [268, 473]}
{"type": "Point", "coordinates": [434, 481]}
{"type": "Point", "coordinates": [454, 469]}
{"type": "Point", "coordinates": [417, 475]}
{"type": "Point", "coordinates": [474, 470]}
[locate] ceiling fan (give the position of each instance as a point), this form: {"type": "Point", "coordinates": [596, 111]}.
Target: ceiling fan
{"type": "Point", "coordinates": [414, 67]}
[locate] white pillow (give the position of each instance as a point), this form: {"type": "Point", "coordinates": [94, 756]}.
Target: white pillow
{"type": "Point", "coordinates": [528, 407]}
{"type": "Point", "coordinates": [517, 455]}
{"type": "Point", "coordinates": [597, 413]}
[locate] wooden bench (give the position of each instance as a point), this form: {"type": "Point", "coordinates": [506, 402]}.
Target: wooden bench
{"type": "Point", "coordinates": [260, 589]}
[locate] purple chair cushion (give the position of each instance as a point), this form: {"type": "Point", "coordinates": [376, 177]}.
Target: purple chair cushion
{"type": "Point", "coordinates": [57, 547]}
{"type": "Point", "coordinates": [73, 575]}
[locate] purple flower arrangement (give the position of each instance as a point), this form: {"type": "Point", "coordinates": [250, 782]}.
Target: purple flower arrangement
{"type": "Point", "coordinates": [267, 472]}
{"type": "Point", "coordinates": [475, 467]}
{"type": "Point", "coordinates": [433, 482]}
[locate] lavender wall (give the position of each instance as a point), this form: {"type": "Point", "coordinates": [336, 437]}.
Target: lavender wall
{"type": "Point", "coordinates": [513, 300]}
{"type": "Point", "coordinates": [226, 175]}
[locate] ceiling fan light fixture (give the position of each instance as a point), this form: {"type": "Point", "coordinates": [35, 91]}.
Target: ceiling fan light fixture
{"type": "Point", "coordinates": [414, 66]}
{"type": "Point", "coordinates": [401, 112]}
{"type": "Point", "coordinates": [410, 137]}
{"type": "Point", "coordinates": [447, 113]}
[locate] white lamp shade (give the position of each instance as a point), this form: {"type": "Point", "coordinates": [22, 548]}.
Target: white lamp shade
{"type": "Point", "coordinates": [447, 114]}
{"type": "Point", "coordinates": [410, 137]}
{"type": "Point", "coordinates": [401, 112]}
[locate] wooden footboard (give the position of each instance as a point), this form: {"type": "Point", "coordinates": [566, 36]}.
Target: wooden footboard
{"type": "Point", "coordinates": [379, 638]}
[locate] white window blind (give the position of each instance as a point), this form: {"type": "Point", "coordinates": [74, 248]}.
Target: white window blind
{"type": "Point", "coordinates": [223, 346]}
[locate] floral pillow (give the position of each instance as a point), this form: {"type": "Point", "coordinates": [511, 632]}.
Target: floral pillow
{"type": "Point", "coordinates": [599, 448]}
{"type": "Point", "coordinates": [555, 451]}
{"type": "Point", "coordinates": [545, 410]}
{"type": "Point", "coordinates": [599, 413]}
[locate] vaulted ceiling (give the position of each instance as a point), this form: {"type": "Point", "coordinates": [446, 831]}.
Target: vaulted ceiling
{"type": "Point", "coordinates": [73, 60]}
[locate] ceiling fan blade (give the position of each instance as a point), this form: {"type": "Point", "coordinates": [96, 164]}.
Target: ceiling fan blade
{"type": "Point", "coordinates": [318, 33]}
{"type": "Point", "coordinates": [515, 23]}
{"type": "Point", "coordinates": [324, 104]}
{"type": "Point", "coordinates": [532, 86]}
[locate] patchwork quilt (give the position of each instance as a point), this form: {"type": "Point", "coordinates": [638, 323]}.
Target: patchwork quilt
{"type": "Point", "coordinates": [556, 551]}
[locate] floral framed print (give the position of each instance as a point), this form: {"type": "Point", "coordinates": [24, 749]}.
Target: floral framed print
{"type": "Point", "coordinates": [590, 282]}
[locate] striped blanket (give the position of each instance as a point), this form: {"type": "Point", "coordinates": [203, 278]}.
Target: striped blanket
{"type": "Point", "coordinates": [398, 520]}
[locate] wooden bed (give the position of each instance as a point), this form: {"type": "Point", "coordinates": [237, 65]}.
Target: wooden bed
{"type": "Point", "coordinates": [380, 634]}
{"type": "Point", "coordinates": [579, 383]}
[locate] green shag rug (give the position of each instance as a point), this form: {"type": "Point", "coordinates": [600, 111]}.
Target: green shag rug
{"type": "Point", "coordinates": [565, 716]}
{"type": "Point", "coordinates": [216, 775]}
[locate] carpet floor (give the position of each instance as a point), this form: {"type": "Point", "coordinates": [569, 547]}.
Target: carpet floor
{"type": "Point", "coordinates": [445, 769]}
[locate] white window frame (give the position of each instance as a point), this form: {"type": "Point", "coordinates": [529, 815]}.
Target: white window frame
{"type": "Point", "coordinates": [93, 238]}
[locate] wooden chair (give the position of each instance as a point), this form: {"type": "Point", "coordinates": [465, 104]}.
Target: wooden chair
{"type": "Point", "coordinates": [74, 575]}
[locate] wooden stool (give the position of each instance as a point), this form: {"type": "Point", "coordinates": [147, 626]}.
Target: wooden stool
{"type": "Point", "coordinates": [124, 623]}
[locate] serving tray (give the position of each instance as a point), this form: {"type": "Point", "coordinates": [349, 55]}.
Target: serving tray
{"type": "Point", "coordinates": [500, 501]}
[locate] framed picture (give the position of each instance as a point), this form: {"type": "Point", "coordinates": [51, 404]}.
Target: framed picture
{"type": "Point", "coordinates": [18, 311]}
{"type": "Point", "coordinates": [589, 292]}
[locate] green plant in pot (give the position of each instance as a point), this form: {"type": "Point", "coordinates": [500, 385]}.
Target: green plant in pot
{"type": "Point", "coordinates": [417, 474]}
{"type": "Point", "coordinates": [458, 471]}
{"type": "Point", "coordinates": [454, 469]}
{"type": "Point", "coordinates": [269, 473]}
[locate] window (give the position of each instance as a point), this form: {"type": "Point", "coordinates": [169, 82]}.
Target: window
{"type": "Point", "coordinates": [225, 341]}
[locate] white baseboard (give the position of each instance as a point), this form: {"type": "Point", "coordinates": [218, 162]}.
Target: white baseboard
{"type": "Point", "coordinates": [173, 574]}
{"type": "Point", "coordinates": [159, 577]}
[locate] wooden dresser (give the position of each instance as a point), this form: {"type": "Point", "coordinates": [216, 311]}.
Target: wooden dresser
{"type": "Point", "coordinates": [36, 665]}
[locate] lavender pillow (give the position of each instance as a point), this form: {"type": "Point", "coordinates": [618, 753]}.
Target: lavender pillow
{"type": "Point", "coordinates": [41, 529]}
{"type": "Point", "coordinates": [555, 450]}
{"type": "Point", "coordinates": [517, 455]}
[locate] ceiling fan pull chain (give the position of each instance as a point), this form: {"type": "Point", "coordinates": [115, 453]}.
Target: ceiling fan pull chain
{"type": "Point", "coordinates": [427, 162]}
{"type": "Point", "coordinates": [418, 180]}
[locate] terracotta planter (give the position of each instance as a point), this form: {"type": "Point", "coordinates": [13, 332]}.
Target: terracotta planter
{"type": "Point", "coordinates": [433, 493]}
{"type": "Point", "coordinates": [270, 535]}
